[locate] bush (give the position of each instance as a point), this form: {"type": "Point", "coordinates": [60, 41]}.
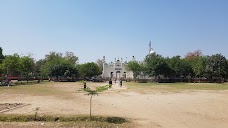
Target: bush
{"type": "Point", "coordinates": [46, 118]}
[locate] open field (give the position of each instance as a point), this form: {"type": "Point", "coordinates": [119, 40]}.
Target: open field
{"type": "Point", "coordinates": [144, 105]}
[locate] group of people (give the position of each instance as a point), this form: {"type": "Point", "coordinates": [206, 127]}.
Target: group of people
{"type": "Point", "coordinates": [110, 82]}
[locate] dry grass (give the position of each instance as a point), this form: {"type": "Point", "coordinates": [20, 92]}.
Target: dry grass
{"type": "Point", "coordinates": [178, 86]}
{"type": "Point", "coordinates": [198, 105]}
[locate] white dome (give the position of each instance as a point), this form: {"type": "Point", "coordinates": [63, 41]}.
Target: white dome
{"type": "Point", "coordinates": [152, 51]}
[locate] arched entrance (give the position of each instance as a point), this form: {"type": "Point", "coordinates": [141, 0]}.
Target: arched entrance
{"type": "Point", "coordinates": [118, 74]}
{"type": "Point", "coordinates": [124, 75]}
{"type": "Point", "coordinates": [111, 75]}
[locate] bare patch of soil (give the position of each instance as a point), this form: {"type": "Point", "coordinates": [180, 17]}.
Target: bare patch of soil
{"type": "Point", "coordinates": [182, 109]}
{"type": "Point", "coordinates": [4, 107]}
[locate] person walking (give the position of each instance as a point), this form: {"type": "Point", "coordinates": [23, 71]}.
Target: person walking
{"type": "Point", "coordinates": [110, 83]}
{"type": "Point", "coordinates": [84, 83]}
{"type": "Point", "coordinates": [121, 82]}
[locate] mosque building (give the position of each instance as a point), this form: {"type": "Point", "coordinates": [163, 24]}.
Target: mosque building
{"type": "Point", "coordinates": [117, 70]}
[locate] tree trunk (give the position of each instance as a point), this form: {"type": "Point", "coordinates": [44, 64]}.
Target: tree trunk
{"type": "Point", "coordinates": [91, 106]}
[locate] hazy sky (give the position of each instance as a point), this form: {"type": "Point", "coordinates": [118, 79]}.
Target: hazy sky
{"type": "Point", "coordinates": [113, 28]}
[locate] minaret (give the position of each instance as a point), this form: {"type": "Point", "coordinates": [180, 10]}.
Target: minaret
{"type": "Point", "coordinates": [121, 62]}
{"type": "Point", "coordinates": [151, 50]}
{"type": "Point", "coordinates": [103, 66]}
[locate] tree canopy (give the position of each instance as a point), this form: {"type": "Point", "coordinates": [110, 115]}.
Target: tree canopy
{"type": "Point", "coordinates": [135, 67]}
{"type": "Point", "coordinates": [55, 64]}
{"type": "Point", "coordinates": [89, 70]}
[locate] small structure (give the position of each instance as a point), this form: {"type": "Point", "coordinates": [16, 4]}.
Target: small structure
{"type": "Point", "coordinates": [116, 70]}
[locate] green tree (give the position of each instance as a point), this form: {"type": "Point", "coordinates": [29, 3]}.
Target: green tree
{"type": "Point", "coordinates": [50, 61]}
{"type": "Point", "coordinates": [55, 64]}
{"type": "Point", "coordinates": [199, 66]}
{"type": "Point", "coordinates": [197, 62]}
{"type": "Point", "coordinates": [1, 55]}
{"type": "Point", "coordinates": [135, 67]}
{"type": "Point", "coordinates": [92, 93]}
{"type": "Point", "coordinates": [11, 65]}
{"type": "Point", "coordinates": [26, 66]}
{"type": "Point", "coordinates": [65, 69]}
{"type": "Point", "coordinates": [179, 67]}
{"type": "Point", "coordinates": [38, 65]}
{"type": "Point", "coordinates": [193, 55]}
{"type": "Point", "coordinates": [70, 57]}
{"type": "Point", "coordinates": [1, 70]}
{"type": "Point", "coordinates": [216, 66]}
{"type": "Point", "coordinates": [1, 59]}
{"type": "Point", "coordinates": [175, 65]}
{"type": "Point", "coordinates": [89, 70]}
{"type": "Point", "coordinates": [156, 65]}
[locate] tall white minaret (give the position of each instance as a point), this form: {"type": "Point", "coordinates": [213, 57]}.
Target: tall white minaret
{"type": "Point", "coordinates": [151, 50]}
{"type": "Point", "coordinates": [103, 60]}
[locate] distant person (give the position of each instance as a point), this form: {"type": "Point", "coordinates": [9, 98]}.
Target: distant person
{"type": "Point", "coordinates": [84, 83]}
{"type": "Point", "coordinates": [121, 82]}
{"type": "Point", "coordinates": [110, 83]}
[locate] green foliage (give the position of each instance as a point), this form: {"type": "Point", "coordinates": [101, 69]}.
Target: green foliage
{"type": "Point", "coordinates": [1, 55]}
{"type": "Point", "coordinates": [15, 65]}
{"type": "Point", "coordinates": [38, 66]}
{"type": "Point", "coordinates": [175, 86]}
{"type": "Point", "coordinates": [102, 88]}
{"type": "Point", "coordinates": [11, 64]}
{"type": "Point", "coordinates": [89, 70]}
{"type": "Point", "coordinates": [70, 57]}
{"type": "Point", "coordinates": [197, 62]}
{"type": "Point", "coordinates": [156, 65]}
{"type": "Point", "coordinates": [56, 65]}
{"type": "Point", "coordinates": [47, 118]}
{"type": "Point", "coordinates": [216, 66]}
{"type": "Point", "coordinates": [63, 68]}
{"type": "Point", "coordinates": [95, 92]}
{"type": "Point", "coordinates": [36, 113]}
{"type": "Point", "coordinates": [26, 66]}
{"type": "Point", "coordinates": [135, 67]}
{"type": "Point", "coordinates": [1, 70]}
{"type": "Point", "coordinates": [199, 66]}
{"type": "Point", "coordinates": [116, 120]}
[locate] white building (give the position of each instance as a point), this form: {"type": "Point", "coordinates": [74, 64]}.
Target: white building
{"type": "Point", "coordinates": [116, 70]}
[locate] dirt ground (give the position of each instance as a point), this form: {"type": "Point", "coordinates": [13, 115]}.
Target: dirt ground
{"type": "Point", "coordinates": [155, 109]}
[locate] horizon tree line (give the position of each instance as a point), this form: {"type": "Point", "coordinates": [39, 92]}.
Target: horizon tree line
{"type": "Point", "coordinates": [54, 65]}
{"type": "Point", "coordinates": [193, 65]}
{"type": "Point", "coordinates": [57, 65]}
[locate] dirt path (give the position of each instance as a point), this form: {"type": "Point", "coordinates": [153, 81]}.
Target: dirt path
{"type": "Point", "coordinates": [196, 109]}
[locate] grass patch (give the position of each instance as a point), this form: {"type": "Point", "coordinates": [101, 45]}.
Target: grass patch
{"type": "Point", "coordinates": [102, 88]}
{"type": "Point", "coordinates": [39, 89]}
{"type": "Point", "coordinates": [98, 89]}
{"type": "Point", "coordinates": [27, 83]}
{"type": "Point", "coordinates": [178, 86]}
{"type": "Point", "coordinates": [46, 118]}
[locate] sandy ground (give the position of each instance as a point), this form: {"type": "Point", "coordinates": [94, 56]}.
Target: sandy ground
{"type": "Point", "coordinates": [185, 109]}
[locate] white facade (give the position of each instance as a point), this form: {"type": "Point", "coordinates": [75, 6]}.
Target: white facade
{"type": "Point", "coordinates": [116, 71]}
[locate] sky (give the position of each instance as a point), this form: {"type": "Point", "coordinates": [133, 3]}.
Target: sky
{"type": "Point", "coordinates": [113, 28]}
